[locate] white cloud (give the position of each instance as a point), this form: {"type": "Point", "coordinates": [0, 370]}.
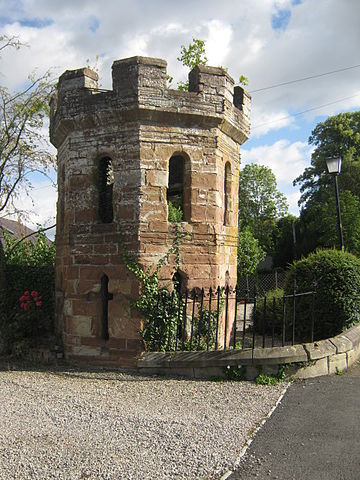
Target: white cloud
{"type": "Point", "coordinates": [320, 36]}
{"type": "Point", "coordinates": [263, 122]}
{"type": "Point", "coordinates": [284, 158]}
{"type": "Point", "coordinates": [287, 160]}
{"type": "Point", "coordinates": [218, 42]}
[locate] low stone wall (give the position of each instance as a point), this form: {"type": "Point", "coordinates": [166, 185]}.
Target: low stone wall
{"type": "Point", "coordinates": [307, 360]}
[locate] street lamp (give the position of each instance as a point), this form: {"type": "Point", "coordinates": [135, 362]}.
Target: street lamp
{"type": "Point", "coordinates": [334, 166]}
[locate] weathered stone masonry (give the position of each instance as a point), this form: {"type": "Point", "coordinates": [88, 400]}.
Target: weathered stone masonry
{"type": "Point", "coordinates": [114, 150]}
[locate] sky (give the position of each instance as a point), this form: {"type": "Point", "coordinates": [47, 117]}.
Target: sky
{"type": "Point", "coordinates": [272, 42]}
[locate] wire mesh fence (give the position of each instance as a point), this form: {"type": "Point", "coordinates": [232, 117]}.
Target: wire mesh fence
{"type": "Point", "coordinates": [264, 282]}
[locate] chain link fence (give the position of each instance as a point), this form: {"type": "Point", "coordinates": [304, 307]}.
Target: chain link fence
{"type": "Point", "coordinates": [262, 281]}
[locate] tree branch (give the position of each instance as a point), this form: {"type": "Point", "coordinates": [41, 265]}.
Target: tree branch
{"type": "Point", "coordinates": [41, 230]}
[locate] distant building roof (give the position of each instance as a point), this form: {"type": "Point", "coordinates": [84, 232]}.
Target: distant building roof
{"type": "Point", "coordinates": [17, 230]}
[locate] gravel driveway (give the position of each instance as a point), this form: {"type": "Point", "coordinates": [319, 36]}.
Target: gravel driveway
{"type": "Point", "coordinates": [73, 424]}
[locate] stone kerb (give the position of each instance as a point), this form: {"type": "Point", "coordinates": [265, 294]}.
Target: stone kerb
{"type": "Point", "coordinates": [324, 357]}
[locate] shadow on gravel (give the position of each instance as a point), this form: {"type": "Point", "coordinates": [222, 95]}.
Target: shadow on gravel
{"type": "Point", "coordinates": [68, 370]}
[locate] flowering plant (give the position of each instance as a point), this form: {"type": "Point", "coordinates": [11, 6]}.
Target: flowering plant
{"type": "Point", "coordinates": [27, 299]}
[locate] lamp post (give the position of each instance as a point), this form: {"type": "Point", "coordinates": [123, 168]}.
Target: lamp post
{"type": "Point", "coordinates": [334, 166]}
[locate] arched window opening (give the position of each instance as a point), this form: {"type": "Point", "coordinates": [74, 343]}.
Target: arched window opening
{"type": "Point", "coordinates": [227, 194]}
{"type": "Point", "coordinates": [175, 191]}
{"type": "Point", "coordinates": [106, 183]}
{"type": "Point", "coordinates": [105, 297]}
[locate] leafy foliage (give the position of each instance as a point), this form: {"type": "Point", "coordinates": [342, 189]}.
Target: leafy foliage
{"type": "Point", "coordinates": [318, 224]}
{"type": "Point", "coordinates": [337, 300]}
{"type": "Point", "coordinates": [266, 379]}
{"type": "Point", "coordinates": [260, 203]}
{"type": "Point", "coordinates": [235, 373]}
{"type": "Point", "coordinates": [28, 267]}
{"type": "Point", "coordinates": [175, 213]}
{"type": "Point", "coordinates": [283, 237]}
{"type": "Point", "coordinates": [249, 253]}
{"type": "Point", "coordinates": [273, 312]}
{"type": "Point", "coordinates": [23, 148]}
{"type": "Point", "coordinates": [243, 80]}
{"type": "Point", "coordinates": [39, 253]}
{"type": "Point", "coordinates": [339, 135]}
{"type": "Point", "coordinates": [165, 318]}
{"type": "Point", "coordinates": [194, 54]}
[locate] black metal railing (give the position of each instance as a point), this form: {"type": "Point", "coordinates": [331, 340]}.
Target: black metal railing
{"type": "Point", "coordinates": [223, 318]}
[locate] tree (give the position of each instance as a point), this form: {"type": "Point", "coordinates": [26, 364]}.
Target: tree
{"type": "Point", "coordinates": [195, 54]}
{"type": "Point", "coordinates": [23, 148]}
{"type": "Point", "coordinates": [249, 253]}
{"type": "Point", "coordinates": [260, 203]}
{"type": "Point", "coordinates": [339, 135]}
{"type": "Point", "coordinates": [285, 251]}
{"type": "Point", "coordinates": [318, 225]}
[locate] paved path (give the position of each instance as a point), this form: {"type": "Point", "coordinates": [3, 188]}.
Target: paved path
{"type": "Point", "coordinates": [314, 434]}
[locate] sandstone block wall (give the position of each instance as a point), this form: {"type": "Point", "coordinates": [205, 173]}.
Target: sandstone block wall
{"type": "Point", "coordinates": [139, 125]}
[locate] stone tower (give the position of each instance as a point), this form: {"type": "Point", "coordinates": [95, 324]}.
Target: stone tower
{"type": "Point", "coordinates": [123, 156]}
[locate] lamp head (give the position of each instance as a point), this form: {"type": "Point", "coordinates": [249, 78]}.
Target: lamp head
{"type": "Point", "coordinates": [333, 165]}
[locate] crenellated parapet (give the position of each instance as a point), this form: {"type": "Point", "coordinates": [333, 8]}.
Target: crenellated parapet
{"type": "Point", "coordinates": [140, 92]}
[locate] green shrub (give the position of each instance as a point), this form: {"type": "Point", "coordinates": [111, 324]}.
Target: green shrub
{"type": "Point", "coordinates": [337, 299]}
{"type": "Point", "coordinates": [175, 213]}
{"type": "Point", "coordinates": [266, 379]}
{"type": "Point", "coordinates": [26, 329]}
{"type": "Point", "coordinates": [28, 267]}
{"type": "Point", "coordinates": [3, 295]}
{"type": "Point", "coordinates": [276, 294]}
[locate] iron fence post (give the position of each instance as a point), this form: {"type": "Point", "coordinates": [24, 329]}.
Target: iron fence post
{"type": "Point", "coordinates": [200, 317]}
{"type": "Point", "coordinates": [235, 315]}
{"type": "Point", "coordinates": [264, 322]}
{"type": "Point", "coordinates": [244, 323]}
{"type": "Point", "coordinates": [209, 318]}
{"type": "Point", "coordinates": [217, 317]}
{"type": "Point", "coordinates": [226, 313]}
{"type": "Point", "coordinates": [254, 318]}
{"type": "Point", "coordinates": [294, 312]}
{"type": "Point", "coordinates": [192, 318]}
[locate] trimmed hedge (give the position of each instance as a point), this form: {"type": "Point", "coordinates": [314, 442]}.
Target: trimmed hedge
{"type": "Point", "coordinates": [337, 300]}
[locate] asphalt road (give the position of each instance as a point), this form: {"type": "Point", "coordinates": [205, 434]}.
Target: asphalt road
{"type": "Point", "coordinates": [314, 434]}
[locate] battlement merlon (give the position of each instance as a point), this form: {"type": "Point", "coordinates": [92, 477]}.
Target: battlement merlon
{"type": "Point", "coordinates": [140, 92]}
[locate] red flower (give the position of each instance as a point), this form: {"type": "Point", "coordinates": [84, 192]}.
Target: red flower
{"type": "Point", "coordinates": [22, 298]}
{"type": "Point", "coordinates": [27, 294]}
{"type": "Point", "coordinates": [34, 293]}
{"type": "Point", "coordinates": [38, 304]}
